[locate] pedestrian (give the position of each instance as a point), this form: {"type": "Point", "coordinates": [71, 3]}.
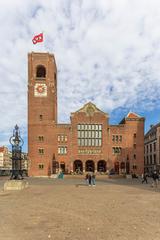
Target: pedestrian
{"type": "Point", "coordinates": [86, 178]}
{"type": "Point", "coordinates": [93, 179]}
{"type": "Point", "coordinates": [144, 178]}
{"type": "Point", "coordinates": [89, 179]}
{"type": "Point", "coordinates": [155, 179]}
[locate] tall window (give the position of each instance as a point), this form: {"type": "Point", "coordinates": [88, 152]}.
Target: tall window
{"type": "Point", "coordinates": [62, 138]}
{"type": "Point", "coordinates": [62, 150]}
{"type": "Point", "coordinates": [116, 150]}
{"type": "Point", "coordinates": [89, 135]}
{"type": "Point", "coordinates": [40, 138]}
{"type": "Point", "coordinates": [154, 145]}
{"type": "Point", "coordinates": [117, 138]}
{"type": "Point", "coordinates": [150, 146]}
{"type": "Point", "coordinates": [41, 151]}
{"type": "Point", "coordinates": [40, 117]}
{"type": "Point", "coordinates": [40, 166]}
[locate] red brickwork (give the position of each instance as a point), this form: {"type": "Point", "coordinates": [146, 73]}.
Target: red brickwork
{"type": "Point", "coordinates": [52, 145]}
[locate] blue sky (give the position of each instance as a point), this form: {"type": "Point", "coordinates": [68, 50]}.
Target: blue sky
{"type": "Point", "coordinates": [107, 52]}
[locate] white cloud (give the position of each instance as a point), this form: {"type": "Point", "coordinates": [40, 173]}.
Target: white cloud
{"type": "Point", "coordinates": [107, 52]}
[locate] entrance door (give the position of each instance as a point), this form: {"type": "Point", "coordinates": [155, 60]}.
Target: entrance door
{"type": "Point", "coordinates": [101, 166]}
{"type": "Point", "coordinates": [116, 167]}
{"type": "Point", "coordinates": [90, 166]}
{"type": "Point", "coordinates": [62, 166]}
{"type": "Point", "coordinates": [78, 166]}
{"type": "Point", "coordinates": [55, 166]}
{"type": "Point", "coordinates": [127, 167]}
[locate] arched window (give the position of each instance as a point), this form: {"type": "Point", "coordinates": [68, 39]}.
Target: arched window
{"type": "Point", "coordinates": [40, 72]}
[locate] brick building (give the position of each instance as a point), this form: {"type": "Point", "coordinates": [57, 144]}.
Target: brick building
{"type": "Point", "coordinates": [5, 158]}
{"type": "Point", "coordinates": [88, 142]}
{"type": "Point", "coordinates": [152, 149]}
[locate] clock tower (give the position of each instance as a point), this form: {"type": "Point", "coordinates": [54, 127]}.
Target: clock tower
{"type": "Point", "coordinates": [42, 111]}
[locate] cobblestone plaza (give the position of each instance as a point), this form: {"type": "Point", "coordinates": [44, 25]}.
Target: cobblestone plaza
{"type": "Point", "coordinates": [69, 209]}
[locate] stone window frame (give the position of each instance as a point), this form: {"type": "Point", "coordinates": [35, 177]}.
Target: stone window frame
{"type": "Point", "coordinates": [41, 151]}
{"type": "Point", "coordinates": [41, 166]}
{"type": "Point", "coordinates": [62, 150]}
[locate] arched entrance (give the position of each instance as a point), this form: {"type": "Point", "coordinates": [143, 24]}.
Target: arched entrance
{"type": "Point", "coordinates": [62, 166]}
{"type": "Point", "coordinates": [101, 166]}
{"type": "Point", "coordinates": [122, 166]}
{"type": "Point", "coordinates": [78, 166]}
{"type": "Point", "coordinates": [55, 166]}
{"type": "Point", "coordinates": [127, 167]}
{"type": "Point", "coordinates": [90, 166]}
{"type": "Point", "coordinates": [116, 167]}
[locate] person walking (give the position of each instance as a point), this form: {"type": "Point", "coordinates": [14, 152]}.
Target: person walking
{"type": "Point", "coordinates": [89, 179]}
{"type": "Point", "coordinates": [155, 179]}
{"type": "Point", "coordinates": [86, 178]}
{"type": "Point", "coordinates": [144, 178]}
{"type": "Point", "coordinates": [93, 179]}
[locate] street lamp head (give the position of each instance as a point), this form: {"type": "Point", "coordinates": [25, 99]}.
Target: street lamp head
{"type": "Point", "coordinates": [15, 139]}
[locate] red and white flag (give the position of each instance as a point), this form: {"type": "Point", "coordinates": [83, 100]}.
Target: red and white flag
{"type": "Point", "coordinates": [38, 38]}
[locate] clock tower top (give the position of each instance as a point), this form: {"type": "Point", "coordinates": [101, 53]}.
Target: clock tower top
{"type": "Point", "coordinates": [42, 88]}
{"type": "Point", "coordinates": [41, 66]}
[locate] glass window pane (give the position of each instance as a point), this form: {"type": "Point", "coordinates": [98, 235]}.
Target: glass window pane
{"type": "Point", "coordinates": [86, 134]}
{"type": "Point", "coordinates": [100, 134]}
{"type": "Point", "coordinates": [92, 134]}
{"type": "Point", "coordinates": [96, 134]}
{"type": "Point", "coordinates": [65, 150]}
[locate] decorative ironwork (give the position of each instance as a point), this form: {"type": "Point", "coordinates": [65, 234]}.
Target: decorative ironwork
{"type": "Point", "coordinates": [17, 143]}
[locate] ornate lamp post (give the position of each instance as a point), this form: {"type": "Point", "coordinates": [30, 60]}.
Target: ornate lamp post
{"type": "Point", "coordinates": [17, 143]}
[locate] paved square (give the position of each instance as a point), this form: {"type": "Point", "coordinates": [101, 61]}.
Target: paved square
{"type": "Point", "coordinates": [58, 209]}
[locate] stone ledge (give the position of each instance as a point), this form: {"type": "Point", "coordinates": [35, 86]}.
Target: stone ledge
{"type": "Point", "coordinates": [15, 185]}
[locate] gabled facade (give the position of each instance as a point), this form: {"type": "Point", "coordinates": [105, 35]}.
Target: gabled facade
{"type": "Point", "coordinates": [88, 142]}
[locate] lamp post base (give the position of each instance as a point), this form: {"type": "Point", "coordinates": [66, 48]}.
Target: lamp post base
{"type": "Point", "coordinates": [15, 185]}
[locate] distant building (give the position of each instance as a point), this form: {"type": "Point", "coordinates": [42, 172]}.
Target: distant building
{"type": "Point", "coordinates": [24, 161]}
{"type": "Point", "coordinates": [88, 142]}
{"type": "Point", "coordinates": [5, 158]}
{"type": "Point", "coordinates": [152, 149]}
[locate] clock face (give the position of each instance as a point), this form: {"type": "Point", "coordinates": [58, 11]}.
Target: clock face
{"type": "Point", "coordinates": [40, 90]}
